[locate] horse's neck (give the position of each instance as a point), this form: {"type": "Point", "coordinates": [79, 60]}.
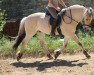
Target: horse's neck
{"type": "Point", "coordinates": [70, 23]}
{"type": "Point", "coordinates": [76, 13]}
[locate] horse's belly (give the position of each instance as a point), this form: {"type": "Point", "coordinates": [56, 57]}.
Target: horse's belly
{"type": "Point", "coordinates": [45, 29]}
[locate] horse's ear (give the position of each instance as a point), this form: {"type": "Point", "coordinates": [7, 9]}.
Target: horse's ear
{"type": "Point", "coordinates": [90, 10]}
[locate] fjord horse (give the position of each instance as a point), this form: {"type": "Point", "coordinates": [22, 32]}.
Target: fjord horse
{"type": "Point", "coordinates": [39, 22]}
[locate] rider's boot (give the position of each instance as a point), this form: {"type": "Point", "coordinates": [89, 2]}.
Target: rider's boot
{"type": "Point", "coordinates": [53, 27]}
{"type": "Point", "coordinates": [53, 30]}
{"type": "Point", "coordinates": [60, 32]}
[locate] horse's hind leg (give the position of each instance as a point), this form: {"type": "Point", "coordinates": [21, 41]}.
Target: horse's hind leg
{"type": "Point", "coordinates": [74, 37]}
{"type": "Point", "coordinates": [58, 51]}
{"type": "Point", "coordinates": [42, 44]}
{"type": "Point", "coordinates": [24, 42]}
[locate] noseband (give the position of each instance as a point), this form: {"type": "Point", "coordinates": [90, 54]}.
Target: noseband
{"type": "Point", "coordinates": [83, 23]}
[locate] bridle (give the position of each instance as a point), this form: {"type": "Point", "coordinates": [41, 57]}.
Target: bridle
{"type": "Point", "coordinates": [83, 22]}
{"type": "Point", "coordinates": [69, 17]}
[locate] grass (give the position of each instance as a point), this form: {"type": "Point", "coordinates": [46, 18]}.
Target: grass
{"type": "Point", "coordinates": [33, 47]}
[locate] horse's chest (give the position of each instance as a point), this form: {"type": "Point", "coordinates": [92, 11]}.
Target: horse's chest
{"type": "Point", "coordinates": [67, 29]}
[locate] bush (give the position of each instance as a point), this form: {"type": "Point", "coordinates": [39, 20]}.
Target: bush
{"type": "Point", "coordinates": [2, 22]}
{"type": "Point", "coordinates": [2, 19]}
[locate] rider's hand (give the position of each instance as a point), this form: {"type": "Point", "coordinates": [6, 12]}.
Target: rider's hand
{"type": "Point", "coordinates": [58, 9]}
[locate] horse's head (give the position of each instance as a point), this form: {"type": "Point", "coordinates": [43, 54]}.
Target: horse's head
{"type": "Point", "coordinates": [88, 16]}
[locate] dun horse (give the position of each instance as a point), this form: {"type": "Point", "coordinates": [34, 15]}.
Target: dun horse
{"type": "Point", "coordinates": [33, 23]}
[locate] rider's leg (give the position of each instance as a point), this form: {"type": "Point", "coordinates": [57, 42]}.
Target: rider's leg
{"type": "Point", "coordinates": [60, 32]}
{"type": "Point", "coordinates": [54, 18]}
{"type": "Point", "coordinates": [53, 27]}
{"type": "Point", "coordinates": [60, 16]}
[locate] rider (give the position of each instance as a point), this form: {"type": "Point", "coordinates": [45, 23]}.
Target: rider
{"type": "Point", "coordinates": [53, 7]}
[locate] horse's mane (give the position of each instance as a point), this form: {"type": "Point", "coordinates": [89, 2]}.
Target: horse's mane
{"type": "Point", "coordinates": [71, 7]}
{"type": "Point", "coordinates": [76, 6]}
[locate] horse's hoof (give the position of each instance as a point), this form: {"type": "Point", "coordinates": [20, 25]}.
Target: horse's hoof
{"type": "Point", "coordinates": [49, 56]}
{"type": "Point", "coordinates": [57, 53]}
{"type": "Point", "coordinates": [19, 55]}
{"type": "Point", "coordinates": [86, 54]}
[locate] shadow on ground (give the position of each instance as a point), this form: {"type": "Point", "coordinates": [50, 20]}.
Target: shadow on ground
{"type": "Point", "coordinates": [43, 65]}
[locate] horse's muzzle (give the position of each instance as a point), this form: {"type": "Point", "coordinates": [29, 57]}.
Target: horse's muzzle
{"type": "Point", "coordinates": [86, 28]}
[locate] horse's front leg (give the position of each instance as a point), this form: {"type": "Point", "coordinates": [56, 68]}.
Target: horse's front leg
{"type": "Point", "coordinates": [42, 44]}
{"type": "Point", "coordinates": [59, 51]}
{"type": "Point", "coordinates": [75, 38]}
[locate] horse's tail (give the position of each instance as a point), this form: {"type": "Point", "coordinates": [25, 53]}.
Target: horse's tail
{"type": "Point", "coordinates": [21, 35]}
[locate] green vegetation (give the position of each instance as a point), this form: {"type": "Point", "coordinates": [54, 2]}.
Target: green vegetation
{"type": "Point", "coordinates": [17, 8]}
{"type": "Point", "coordinates": [33, 47]}
{"type": "Point", "coordinates": [2, 21]}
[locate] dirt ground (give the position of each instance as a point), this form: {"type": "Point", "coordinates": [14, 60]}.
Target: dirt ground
{"type": "Point", "coordinates": [65, 65]}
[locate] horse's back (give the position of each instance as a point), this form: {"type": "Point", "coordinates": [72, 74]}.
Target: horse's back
{"type": "Point", "coordinates": [33, 18]}
{"type": "Point", "coordinates": [36, 15]}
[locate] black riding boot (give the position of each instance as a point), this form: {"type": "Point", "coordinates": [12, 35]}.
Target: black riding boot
{"type": "Point", "coordinates": [60, 32]}
{"type": "Point", "coordinates": [53, 25]}
{"type": "Point", "coordinates": [53, 30]}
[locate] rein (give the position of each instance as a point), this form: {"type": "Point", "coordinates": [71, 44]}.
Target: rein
{"type": "Point", "coordinates": [70, 18]}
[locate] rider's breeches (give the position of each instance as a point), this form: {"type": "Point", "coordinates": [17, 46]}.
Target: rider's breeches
{"type": "Point", "coordinates": [53, 12]}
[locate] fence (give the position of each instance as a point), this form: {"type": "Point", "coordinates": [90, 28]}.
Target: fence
{"type": "Point", "coordinates": [11, 28]}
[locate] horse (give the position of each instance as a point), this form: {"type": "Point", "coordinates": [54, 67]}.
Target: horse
{"type": "Point", "coordinates": [39, 22]}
